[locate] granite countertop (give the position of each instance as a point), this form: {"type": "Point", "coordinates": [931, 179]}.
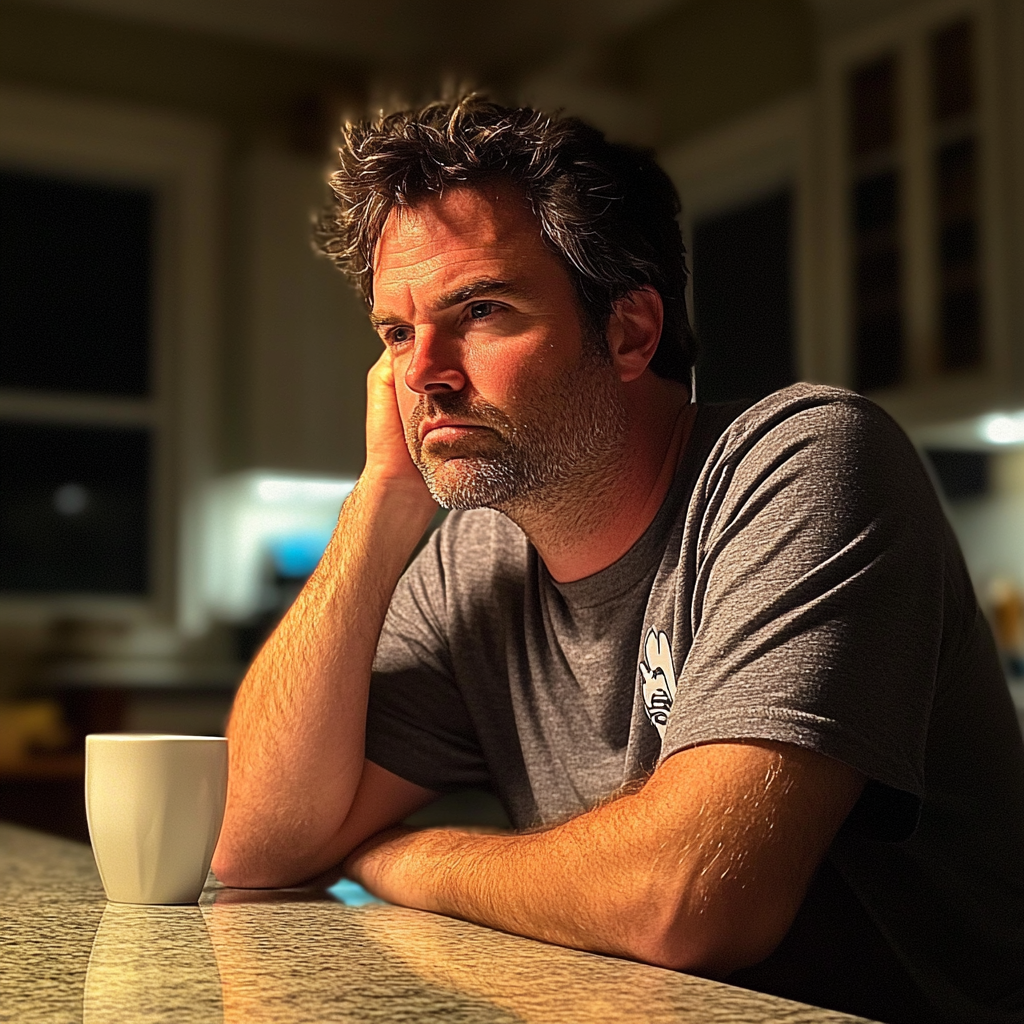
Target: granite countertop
{"type": "Point", "coordinates": [296, 955]}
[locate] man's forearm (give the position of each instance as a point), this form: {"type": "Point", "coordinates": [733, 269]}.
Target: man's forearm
{"type": "Point", "coordinates": [600, 882]}
{"type": "Point", "coordinates": [564, 886]}
{"type": "Point", "coordinates": [701, 870]}
{"type": "Point", "coordinates": [297, 728]}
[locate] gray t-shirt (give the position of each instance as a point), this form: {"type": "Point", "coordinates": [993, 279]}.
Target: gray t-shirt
{"type": "Point", "coordinates": [800, 583]}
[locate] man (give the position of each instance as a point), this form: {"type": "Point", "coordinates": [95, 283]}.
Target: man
{"type": "Point", "coordinates": [723, 666]}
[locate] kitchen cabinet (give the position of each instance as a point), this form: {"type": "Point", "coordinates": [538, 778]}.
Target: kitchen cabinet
{"type": "Point", "coordinates": [922, 229]}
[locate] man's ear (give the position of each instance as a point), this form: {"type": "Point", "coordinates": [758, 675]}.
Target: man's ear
{"type": "Point", "coordinates": [634, 330]}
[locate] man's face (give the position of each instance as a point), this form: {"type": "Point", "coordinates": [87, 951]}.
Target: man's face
{"type": "Point", "coordinates": [503, 396]}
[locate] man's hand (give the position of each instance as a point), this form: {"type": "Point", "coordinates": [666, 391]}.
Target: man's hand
{"type": "Point", "coordinates": [702, 870]}
{"type": "Point", "coordinates": [387, 454]}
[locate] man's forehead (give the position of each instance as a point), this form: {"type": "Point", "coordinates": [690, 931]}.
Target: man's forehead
{"type": "Point", "coordinates": [464, 231]}
{"type": "Point", "coordinates": [478, 215]}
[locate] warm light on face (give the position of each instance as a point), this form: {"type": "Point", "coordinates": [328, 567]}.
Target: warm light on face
{"type": "Point", "coordinates": [1002, 428]}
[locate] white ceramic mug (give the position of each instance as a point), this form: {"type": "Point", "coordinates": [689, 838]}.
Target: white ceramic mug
{"type": "Point", "coordinates": [155, 804]}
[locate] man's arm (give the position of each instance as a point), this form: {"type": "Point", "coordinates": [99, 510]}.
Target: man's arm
{"type": "Point", "coordinates": [297, 728]}
{"type": "Point", "coordinates": [701, 870]}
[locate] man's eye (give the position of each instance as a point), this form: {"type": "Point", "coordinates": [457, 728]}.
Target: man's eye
{"type": "Point", "coordinates": [479, 310]}
{"type": "Point", "coordinates": [400, 335]}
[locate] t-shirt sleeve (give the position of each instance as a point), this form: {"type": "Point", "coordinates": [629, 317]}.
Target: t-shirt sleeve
{"type": "Point", "coordinates": [818, 581]}
{"type": "Point", "coordinates": [417, 723]}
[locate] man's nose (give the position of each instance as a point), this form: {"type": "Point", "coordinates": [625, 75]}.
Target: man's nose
{"type": "Point", "coordinates": [436, 363]}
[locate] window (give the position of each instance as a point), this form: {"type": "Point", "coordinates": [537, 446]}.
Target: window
{"type": "Point", "coordinates": [75, 308]}
{"type": "Point", "coordinates": [74, 509]}
{"type": "Point", "coordinates": [107, 341]}
{"type": "Point", "coordinates": [742, 289]}
{"type": "Point", "coordinates": [75, 285]}
{"type": "Point", "coordinates": [747, 194]}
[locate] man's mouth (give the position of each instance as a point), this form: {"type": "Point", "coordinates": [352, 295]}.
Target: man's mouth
{"type": "Point", "coordinates": [450, 433]}
{"type": "Point", "coordinates": [454, 442]}
{"type": "Point", "coordinates": [454, 429]}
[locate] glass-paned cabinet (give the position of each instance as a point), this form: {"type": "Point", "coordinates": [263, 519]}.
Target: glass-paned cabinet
{"type": "Point", "coordinates": [916, 114]}
{"type": "Point", "coordinates": [875, 185]}
{"type": "Point", "coordinates": [954, 158]}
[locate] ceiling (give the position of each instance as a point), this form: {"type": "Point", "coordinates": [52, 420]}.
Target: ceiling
{"type": "Point", "coordinates": [835, 16]}
{"type": "Point", "coordinates": [546, 52]}
{"type": "Point", "coordinates": [462, 34]}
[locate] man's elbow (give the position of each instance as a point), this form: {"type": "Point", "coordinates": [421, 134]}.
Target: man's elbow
{"type": "Point", "coordinates": [258, 866]}
{"type": "Point", "coordinates": [248, 872]}
{"type": "Point", "coordinates": [709, 944]}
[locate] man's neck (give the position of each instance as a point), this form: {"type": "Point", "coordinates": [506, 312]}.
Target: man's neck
{"type": "Point", "coordinates": [581, 533]}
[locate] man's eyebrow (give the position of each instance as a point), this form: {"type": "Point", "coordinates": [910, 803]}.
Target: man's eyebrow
{"type": "Point", "coordinates": [483, 286]}
{"type": "Point", "coordinates": [475, 289]}
{"type": "Point", "coordinates": [385, 320]}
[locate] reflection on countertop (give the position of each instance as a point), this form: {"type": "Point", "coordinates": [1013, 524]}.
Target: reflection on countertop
{"type": "Point", "coordinates": [297, 955]}
{"type": "Point", "coordinates": [151, 963]}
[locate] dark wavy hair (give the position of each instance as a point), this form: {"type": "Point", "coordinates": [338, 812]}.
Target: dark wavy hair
{"type": "Point", "coordinates": [608, 210]}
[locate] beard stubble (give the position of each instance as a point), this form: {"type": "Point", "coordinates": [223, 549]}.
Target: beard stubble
{"type": "Point", "coordinates": [557, 441]}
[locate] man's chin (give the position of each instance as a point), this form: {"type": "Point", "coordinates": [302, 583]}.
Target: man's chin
{"type": "Point", "coordinates": [469, 482]}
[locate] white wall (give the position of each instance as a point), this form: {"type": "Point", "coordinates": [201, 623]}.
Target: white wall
{"type": "Point", "coordinates": [308, 342]}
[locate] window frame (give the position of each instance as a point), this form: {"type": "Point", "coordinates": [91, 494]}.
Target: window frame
{"type": "Point", "coordinates": [180, 160]}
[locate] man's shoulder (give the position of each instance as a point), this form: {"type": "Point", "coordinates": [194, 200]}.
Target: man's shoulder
{"type": "Point", "coordinates": [810, 445]}
{"type": "Point", "coordinates": [815, 402]}
{"type": "Point", "coordinates": [809, 413]}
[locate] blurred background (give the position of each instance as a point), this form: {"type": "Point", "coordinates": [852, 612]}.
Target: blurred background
{"type": "Point", "coordinates": [182, 380]}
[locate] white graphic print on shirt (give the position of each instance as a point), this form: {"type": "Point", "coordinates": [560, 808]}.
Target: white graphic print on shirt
{"type": "Point", "coordinates": [659, 678]}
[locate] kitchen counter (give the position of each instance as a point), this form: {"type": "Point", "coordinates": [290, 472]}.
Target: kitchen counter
{"type": "Point", "coordinates": [295, 955]}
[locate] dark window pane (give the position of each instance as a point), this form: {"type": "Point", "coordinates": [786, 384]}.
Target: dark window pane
{"type": "Point", "coordinates": [876, 204]}
{"type": "Point", "coordinates": [956, 172]}
{"type": "Point", "coordinates": [961, 329]}
{"type": "Point", "coordinates": [952, 67]}
{"type": "Point", "coordinates": [742, 301]}
{"type": "Point", "coordinates": [961, 474]}
{"type": "Point", "coordinates": [75, 280]}
{"type": "Point", "coordinates": [958, 244]}
{"type": "Point", "coordinates": [873, 122]}
{"type": "Point", "coordinates": [73, 509]}
{"type": "Point", "coordinates": [877, 291]}
{"type": "Point", "coordinates": [960, 322]}
{"type": "Point", "coordinates": [879, 351]}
